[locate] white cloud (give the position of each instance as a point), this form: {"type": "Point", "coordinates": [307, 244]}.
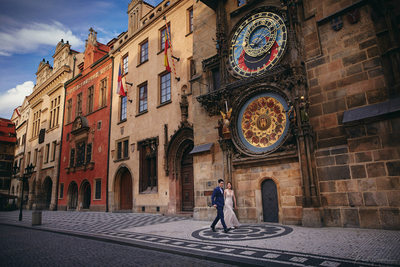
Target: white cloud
{"type": "Point", "coordinates": [14, 98]}
{"type": "Point", "coordinates": [31, 37]}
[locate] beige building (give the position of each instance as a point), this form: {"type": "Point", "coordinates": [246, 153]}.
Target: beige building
{"type": "Point", "coordinates": [151, 131]}
{"type": "Point", "coordinates": [20, 119]}
{"type": "Point", "coordinates": [44, 125]}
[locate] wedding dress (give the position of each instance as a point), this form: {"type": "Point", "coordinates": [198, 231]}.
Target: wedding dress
{"type": "Point", "coordinates": [229, 215]}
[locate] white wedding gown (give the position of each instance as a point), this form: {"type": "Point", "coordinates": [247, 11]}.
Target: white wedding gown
{"type": "Point", "coordinates": [229, 215]}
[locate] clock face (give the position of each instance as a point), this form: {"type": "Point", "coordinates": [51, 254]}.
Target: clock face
{"type": "Point", "coordinates": [257, 44]}
{"type": "Point", "coordinates": [263, 122]}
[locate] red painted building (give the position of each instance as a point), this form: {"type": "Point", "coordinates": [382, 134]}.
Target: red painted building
{"type": "Point", "coordinates": [85, 136]}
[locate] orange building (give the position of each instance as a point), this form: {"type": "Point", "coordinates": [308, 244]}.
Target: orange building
{"type": "Point", "coordinates": [85, 136]}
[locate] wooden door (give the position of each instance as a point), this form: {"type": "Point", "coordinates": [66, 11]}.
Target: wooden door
{"type": "Point", "coordinates": [126, 191]}
{"type": "Point", "coordinates": [187, 180]}
{"type": "Point", "coordinates": [270, 201]}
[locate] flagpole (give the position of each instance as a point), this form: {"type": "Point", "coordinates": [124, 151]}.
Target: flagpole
{"type": "Point", "coordinates": [170, 45]}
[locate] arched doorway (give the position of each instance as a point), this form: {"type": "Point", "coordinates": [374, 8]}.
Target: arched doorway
{"type": "Point", "coordinates": [123, 197]}
{"type": "Point", "coordinates": [72, 196]}
{"type": "Point", "coordinates": [47, 186]}
{"type": "Point", "coordinates": [270, 201]}
{"type": "Point", "coordinates": [187, 179]}
{"type": "Point", "coordinates": [85, 195]}
{"type": "Point", "coordinates": [179, 168]}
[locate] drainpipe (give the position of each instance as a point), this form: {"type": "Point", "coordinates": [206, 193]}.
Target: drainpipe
{"type": "Point", "coordinates": [109, 132]}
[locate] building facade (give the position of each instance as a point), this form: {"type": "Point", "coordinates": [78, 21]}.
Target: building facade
{"type": "Point", "coordinates": [308, 92]}
{"type": "Point", "coordinates": [151, 130]}
{"type": "Point", "coordinates": [85, 135]}
{"type": "Point", "coordinates": [20, 119]}
{"type": "Point", "coordinates": [43, 139]}
{"type": "Point", "coordinates": [7, 144]}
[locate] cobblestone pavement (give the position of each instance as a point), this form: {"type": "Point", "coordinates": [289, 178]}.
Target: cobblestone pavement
{"type": "Point", "coordinates": [53, 249]}
{"type": "Point", "coordinates": [256, 244]}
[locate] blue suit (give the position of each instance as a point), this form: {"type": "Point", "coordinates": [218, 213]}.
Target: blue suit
{"type": "Point", "coordinates": [217, 198]}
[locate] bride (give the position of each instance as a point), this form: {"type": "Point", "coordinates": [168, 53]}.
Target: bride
{"type": "Point", "coordinates": [230, 203]}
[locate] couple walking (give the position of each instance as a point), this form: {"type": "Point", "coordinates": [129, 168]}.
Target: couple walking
{"type": "Point", "coordinates": [224, 201]}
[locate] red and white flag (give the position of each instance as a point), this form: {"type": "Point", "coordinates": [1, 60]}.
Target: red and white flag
{"type": "Point", "coordinates": [120, 87]}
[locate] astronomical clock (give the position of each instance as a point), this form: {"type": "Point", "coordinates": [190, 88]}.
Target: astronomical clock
{"type": "Point", "coordinates": [262, 116]}
{"type": "Point", "coordinates": [257, 44]}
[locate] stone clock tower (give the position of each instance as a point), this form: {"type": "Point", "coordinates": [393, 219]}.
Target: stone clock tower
{"type": "Point", "coordinates": [277, 114]}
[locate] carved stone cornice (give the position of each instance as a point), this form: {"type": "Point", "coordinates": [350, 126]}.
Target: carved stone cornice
{"type": "Point", "coordinates": [50, 81]}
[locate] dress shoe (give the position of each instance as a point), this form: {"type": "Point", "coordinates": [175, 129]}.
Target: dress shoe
{"type": "Point", "coordinates": [227, 230]}
{"type": "Point", "coordinates": [213, 229]}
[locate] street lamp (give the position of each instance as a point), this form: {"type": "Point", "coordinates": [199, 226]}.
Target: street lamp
{"type": "Point", "coordinates": [27, 173]}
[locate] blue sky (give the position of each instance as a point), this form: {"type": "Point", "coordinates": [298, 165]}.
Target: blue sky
{"type": "Point", "coordinates": [30, 31]}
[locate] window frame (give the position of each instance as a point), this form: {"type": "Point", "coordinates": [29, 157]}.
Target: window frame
{"type": "Point", "coordinates": [69, 110]}
{"type": "Point", "coordinates": [78, 109]}
{"type": "Point", "coordinates": [141, 49]}
{"type": "Point", "coordinates": [90, 99]}
{"type": "Point", "coordinates": [123, 108]}
{"type": "Point", "coordinates": [122, 149]}
{"type": "Point", "coordinates": [142, 102]}
{"type": "Point", "coordinates": [103, 93]}
{"type": "Point", "coordinates": [190, 20]}
{"type": "Point", "coordinates": [95, 195]}
{"type": "Point", "coordinates": [161, 89]}
{"type": "Point", "coordinates": [148, 166]}
{"type": "Point", "coordinates": [125, 64]}
{"type": "Point", "coordinates": [162, 36]}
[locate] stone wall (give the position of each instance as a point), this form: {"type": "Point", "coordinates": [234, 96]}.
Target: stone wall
{"type": "Point", "coordinates": [358, 164]}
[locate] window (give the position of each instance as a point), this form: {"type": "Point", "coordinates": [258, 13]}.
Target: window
{"type": "Point", "coordinates": [88, 153]}
{"type": "Point", "coordinates": [28, 160]}
{"type": "Point", "coordinates": [165, 88]}
{"type": "Point", "coordinates": [123, 149]}
{"type": "Point", "coordinates": [125, 64]}
{"type": "Point", "coordinates": [54, 112]}
{"type": "Point", "coordinates": [61, 190]}
{"type": "Point", "coordinates": [103, 92]}
{"type": "Point", "coordinates": [123, 108]}
{"type": "Point", "coordinates": [72, 158]}
{"type": "Point", "coordinates": [143, 98]}
{"type": "Point", "coordinates": [216, 79]}
{"type": "Point", "coordinates": [163, 36]}
{"type": "Point", "coordinates": [90, 99]}
{"type": "Point", "coordinates": [80, 154]}
{"type": "Point", "coordinates": [241, 2]}
{"type": "Point", "coordinates": [97, 194]}
{"type": "Point", "coordinates": [144, 51]}
{"type": "Point", "coordinates": [23, 139]}
{"type": "Point", "coordinates": [47, 153]}
{"type": "Point", "coordinates": [69, 110]}
{"type": "Point", "coordinates": [126, 150]}
{"type": "Point", "coordinates": [36, 123]}
{"type": "Point", "coordinates": [190, 20]}
{"type": "Point", "coordinates": [53, 154]}
{"type": "Point", "coordinates": [35, 156]}
{"type": "Point", "coordinates": [148, 166]}
{"type": "Point", "coordinates": [79, 105]}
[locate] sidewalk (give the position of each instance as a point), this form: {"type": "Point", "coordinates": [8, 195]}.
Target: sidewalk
{"type": "Point", "coordinates": [252, 244]}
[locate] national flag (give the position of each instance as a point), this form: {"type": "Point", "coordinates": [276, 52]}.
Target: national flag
{"type": "Point", "coordinates": [19, 114]}
{"type": "Point", "coordinates": [166, 63]}
{"type": "Point", "coordinates": [120, 87]}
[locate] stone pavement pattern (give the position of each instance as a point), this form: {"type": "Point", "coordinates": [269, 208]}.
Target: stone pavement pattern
{"type": "Point", "coordinates": [52, 249]}
{"type": "Point", "coordinates": [255, 244]}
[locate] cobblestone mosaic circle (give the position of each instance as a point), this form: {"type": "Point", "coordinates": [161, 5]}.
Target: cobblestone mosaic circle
{"type": "Point", "coordinates": [243, 233]}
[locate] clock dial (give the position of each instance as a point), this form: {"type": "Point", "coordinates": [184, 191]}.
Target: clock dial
{"type": "Point", "coordinates": [257, 44]}
{"type": "Point", "coordinates": [263, 122]}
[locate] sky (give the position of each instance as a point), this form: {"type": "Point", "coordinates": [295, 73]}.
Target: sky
{"type": "Point", "coordinates": [30, 31]}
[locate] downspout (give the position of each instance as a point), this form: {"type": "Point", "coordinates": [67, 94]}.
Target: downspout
{"type": "Point", "coordinates": [109, 133]}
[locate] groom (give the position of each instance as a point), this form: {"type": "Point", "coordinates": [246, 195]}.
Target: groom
{"type": "Point", "coordinates": [217, 200]}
